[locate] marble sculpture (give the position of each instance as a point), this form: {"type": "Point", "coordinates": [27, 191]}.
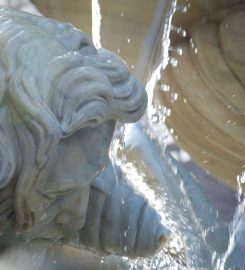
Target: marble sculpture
{"type": "Point", "coordinates": [60, 99]}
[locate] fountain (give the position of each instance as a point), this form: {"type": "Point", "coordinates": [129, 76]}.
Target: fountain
{"type": "Point", "coordinates": [194, 81]}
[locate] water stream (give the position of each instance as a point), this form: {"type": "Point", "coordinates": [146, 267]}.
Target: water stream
{"type": "Point", "coordinates": [201, 238]}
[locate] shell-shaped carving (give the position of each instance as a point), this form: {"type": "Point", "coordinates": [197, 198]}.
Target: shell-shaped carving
{"type": "Point", "coordinates": [119, 221]}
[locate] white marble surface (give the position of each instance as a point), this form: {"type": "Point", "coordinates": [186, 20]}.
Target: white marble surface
{"type": "Point", "coordinates": [65, 97]}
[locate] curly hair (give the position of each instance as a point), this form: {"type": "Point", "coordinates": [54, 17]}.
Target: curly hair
{"type": "Point", "coordinates": [53, 82]}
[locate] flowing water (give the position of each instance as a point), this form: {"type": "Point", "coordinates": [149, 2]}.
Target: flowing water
{"type": "Point", "coordinates": [200, 238]}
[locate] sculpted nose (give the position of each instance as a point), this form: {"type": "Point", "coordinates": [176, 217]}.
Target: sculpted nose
{"type": "Point", "coordinates": [73, 208]}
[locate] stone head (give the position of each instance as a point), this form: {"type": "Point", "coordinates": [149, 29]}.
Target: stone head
{"type": "Point", "coordinates": [59, 100]}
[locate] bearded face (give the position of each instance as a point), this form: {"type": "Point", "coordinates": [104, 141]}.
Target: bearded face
{"type": "Point", "coordinates": [61, 98]}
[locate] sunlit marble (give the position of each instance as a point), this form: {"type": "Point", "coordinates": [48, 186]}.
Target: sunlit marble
{"type": "Point", "coordinates": [60, 100]}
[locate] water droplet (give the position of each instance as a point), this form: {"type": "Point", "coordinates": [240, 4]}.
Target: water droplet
{"type": "Point", "coordinates": [179, 30]}
{"type": "Point", "coordinates": [183, 33]}
{"type": "Point", "coordinates": [125, 233]}
{"type": "Point", "coordinates": [128, 40]}
{"type": "Point", "coordinates": [174, 97]}
{"type": "Point", "coordinates": [179, 51]}
{"type": "Point", "coordinates": [192, 43]}
{"type": "Point", "coordinates": [125, 249]}
{"type": "Point", "coordinates": [173, 62]}
{"type": "Point", "coordinates": [155, 118]}
{"type": "Point", "coordinates": [122, 15]}
{"type": "Point", "coordinates": [165, 87]}
{"type": "Point", "coordinates": [168, 112]}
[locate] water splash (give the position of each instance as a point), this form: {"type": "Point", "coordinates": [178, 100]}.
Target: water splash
{"type": "Point", "coordinates": [158, 129]}
{"type": "Point", "coordinates": [179, 30]}
{"type": "Point", "coordinates": [173, 191]}
{"type": "Point", "coordinates": [116, 151]}
{"type": "Point", "coordinates": [176, 196]}
{"type": "Point", "coordinates": [234, 255]}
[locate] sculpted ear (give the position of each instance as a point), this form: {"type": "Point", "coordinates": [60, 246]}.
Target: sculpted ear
{"type": "Point", "coordinates": [8, 156]}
